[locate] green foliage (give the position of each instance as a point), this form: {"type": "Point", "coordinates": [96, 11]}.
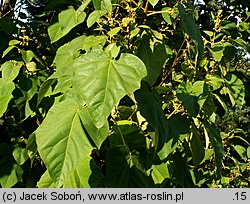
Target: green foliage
{"type": "Point", "coordinates": [118, 93]}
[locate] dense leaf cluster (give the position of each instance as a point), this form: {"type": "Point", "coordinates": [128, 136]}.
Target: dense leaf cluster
{"type": "Point", "coordinates": [124, 93]}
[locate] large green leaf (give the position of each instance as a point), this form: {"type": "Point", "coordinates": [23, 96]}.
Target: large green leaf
{"type": "Point", "coordinates": [193, 31]}
{"type": "Point", "coordinates": [62, 141]}
{"type": "Point", "coordinates": [68, 19]}
{"type": "Point", "coordinates": [66, 54]}
{"type": "Point", "coordinates": [102, 81]}
{"type": "Point", "coordinates": [87, 174]}
{"type": "Point", "coordinates": [64, 60]}
{"type": "Point", "coordinates": [97, 135]}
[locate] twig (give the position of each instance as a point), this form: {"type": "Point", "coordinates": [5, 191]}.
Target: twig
{"type": "Point", "coordinates": [174, 62]}
{"type": "Point", "coordinates": [175, 110]}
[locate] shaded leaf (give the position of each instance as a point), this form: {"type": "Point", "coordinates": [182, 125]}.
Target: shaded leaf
{"type": "Point", "coordinates": [10, 173]}
{"type": "Point", "coordinates": [198, 152]}
{"type": "Point", "coordinates": [179, 172]}
{"type": "Point", "coordinates": [236, 88]}
{"type": "Point", "coordinates": [229, 51]}
{"type": "Point", "coordinates": [117, 167]}
{"type": "Point", "coordinates": [153, 56]}
{"type": "Point", "coordinates": [193, 96]}
{"type": "Point", "coordinates": [216, 141]}
{"type": "Point", "coordinates": [32, 147]}
{"type": "Point", "coordinates": [193, 31]}
{"type": "Point", "coordinates": [125, 170]}
{"type": "Point", "coordinates": [150, 108]}
{"type": "Point", "coordinates": [128, 132]}
{"type": "Point", "coordinates": [86, 174]}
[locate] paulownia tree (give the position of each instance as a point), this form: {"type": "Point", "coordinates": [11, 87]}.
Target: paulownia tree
{"type": "Point", "coordinates": [124, 93]}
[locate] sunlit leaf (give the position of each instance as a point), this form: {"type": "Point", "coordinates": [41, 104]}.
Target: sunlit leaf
{"type": "Point", "coordinates": [241, 151]}
{"type": "Point", "coordinates": [65, 144]}
{"type": "Point", "coordinates": [160, 172]}
{"type": "Point", "coordinates": [153, 2]}
{"type": "Point", "coordinates": [9, 70]}
{"type": "Point", "coordinates": [217, 52]}
{"type": "Point", "coordinates": [68, 19]}
{"type": "Point", "coordinates": [102, 81]}
{"type": "Point", "coordinates": [94, 17]}
{"type": "Point", "coordinates": [20, 155]}
{"type": "Point", "coordinates": [46, 181]}
{"type": "Point", "coordinates": [166, 15]}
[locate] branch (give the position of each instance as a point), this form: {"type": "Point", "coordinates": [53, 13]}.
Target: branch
{"type": "Point", "coordinates": [7, 7]}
